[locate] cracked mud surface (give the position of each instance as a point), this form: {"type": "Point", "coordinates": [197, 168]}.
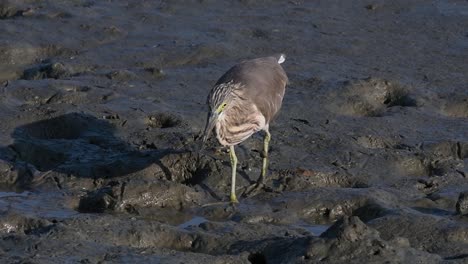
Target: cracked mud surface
{"type": "Point", "coordinates": [102, 104]}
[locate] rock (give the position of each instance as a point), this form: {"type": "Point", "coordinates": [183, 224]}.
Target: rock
{"type": "Point", "coordinates": [45, 71]}
{"type": "Point", "coordinates": [97, 201]}
{"type": "Point", "coordinates": [9, 9]}
{"type": "Point", "coordinates": [350, 240]}
{"type": "Point", "coordinates": [121, 75]}
{"type": "Point", "coordinates": [462, 203]}
{"type": "Point", "coordinates": [14, 175]}
{"type": "Point", "coordinates": [350, 229]}
{"type": "Point", "coordinates": [157, 73]}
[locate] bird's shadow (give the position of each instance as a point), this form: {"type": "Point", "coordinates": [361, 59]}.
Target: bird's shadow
{"type": "Point", "coordinates": [76, 144]}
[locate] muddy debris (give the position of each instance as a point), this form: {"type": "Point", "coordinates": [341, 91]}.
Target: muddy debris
{"type": "Point", "coordinates": [10, 9]}
{"type": "Point", "coordinates": [462, 203]}
{"type": "Point", "coordinates": [46, 70]}
{"type": "Point", "coordinates": [157, 73]}
{"type": "Point", "coordinates": [121, 75]}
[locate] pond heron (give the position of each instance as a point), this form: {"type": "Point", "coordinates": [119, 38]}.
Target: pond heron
{"type": "Point", "coordinates": [244, 101]}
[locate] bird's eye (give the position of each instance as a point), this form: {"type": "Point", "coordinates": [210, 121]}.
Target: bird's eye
{"type": "Point", "coordinates": [221, 108]}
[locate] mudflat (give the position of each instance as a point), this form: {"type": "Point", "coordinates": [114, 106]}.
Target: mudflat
{"type": "Point", "coordinates": [102, 104]}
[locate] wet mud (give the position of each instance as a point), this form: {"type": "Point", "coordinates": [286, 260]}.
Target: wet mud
{"type": "Point", "coordinates": [102, 104]}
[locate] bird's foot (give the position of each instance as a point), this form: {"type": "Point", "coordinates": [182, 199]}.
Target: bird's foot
{"type": "Point", "coordinates": [40, 176]}
{"type": "Point", "coordinates": [233, 202]}
{"type": "Point", "coordinates": [227, 204]}
{"type": "Point", "coordinates": [234, 199]}
{"type": "Point", "coordinates": [254, 189]}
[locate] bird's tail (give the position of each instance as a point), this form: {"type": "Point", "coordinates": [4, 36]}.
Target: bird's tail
{"type": "Point", "coordinates": [281, 58]}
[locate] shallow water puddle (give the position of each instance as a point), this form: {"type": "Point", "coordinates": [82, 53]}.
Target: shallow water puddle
{"type": "Point", "coordinates": [315, 230]}
{"type": "Point", "coordinates": [13, 194]}
{"type": "Point", "coordinates": [448, 8]}
{"type": "Point", "coordinates": [46, 205]}
{"type": "Point", "coordinates": [193, 222]}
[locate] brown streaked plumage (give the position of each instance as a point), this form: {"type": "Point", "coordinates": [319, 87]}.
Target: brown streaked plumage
{"type": "Point", "coordinates": [244, 101]}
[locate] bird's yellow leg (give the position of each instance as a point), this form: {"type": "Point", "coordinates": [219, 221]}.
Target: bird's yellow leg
{"type": "Point", "coordinates": [253, 189]}
{"type": "Point", "coordinates": [266, 141]}
{"type": "Point", "coordinates": [233, 156]}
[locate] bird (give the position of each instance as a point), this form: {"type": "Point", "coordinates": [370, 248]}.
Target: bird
{"type": "Point", "coordinates": [244, 101]}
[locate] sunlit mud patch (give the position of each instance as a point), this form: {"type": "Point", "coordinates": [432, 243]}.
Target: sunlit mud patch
{"type": "Point", "coordinates": [326, 205]}
{"type": "Point", "coordinates": [418, 228]}
{"type": "Point", "coordinates": [430, 164]}
{"type": "Point", "coordinates": [455, 106]}
{"type": "Point", "coordinates": [447, 149]}
{"type": "Point", "coordinates": [371, 97]}
{"type": "Point", "coordinates": [413, 165]}
{"type": "Point", "coordinates": [376, 142]}
{"type": "Point", "coordinates": [13, 223]}
{"type": "Point", "coordinates": [303, 179]}
{"type": "Point", "coordinates": [138, 196]}
{"type": "Point", "coordinates": [19, 54]}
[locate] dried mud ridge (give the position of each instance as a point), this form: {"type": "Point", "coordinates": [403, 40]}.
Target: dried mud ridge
{"type": "Point", "coordinates": [102, 104]}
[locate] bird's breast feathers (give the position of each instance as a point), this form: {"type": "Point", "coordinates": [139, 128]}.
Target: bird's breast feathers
{"type": "Point", "coordinates": [232, 129]}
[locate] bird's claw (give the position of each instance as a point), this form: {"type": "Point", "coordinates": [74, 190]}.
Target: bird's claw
{"type": "Point", "coordinates": [253, 189]}
{"type": "Point", "coordinates": [234, 199]}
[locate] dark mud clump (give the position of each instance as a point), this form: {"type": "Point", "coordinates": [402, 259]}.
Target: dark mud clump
{"type": "Point", "coordinates": [102, 104]}
{"type": "Point", "coordinates": [462, 204]}
{"type": "Point", "coordinates": [46, 70]}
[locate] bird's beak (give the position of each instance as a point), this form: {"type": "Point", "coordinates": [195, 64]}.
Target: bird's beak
{"type": "Point", "coordinates": [210, 123]}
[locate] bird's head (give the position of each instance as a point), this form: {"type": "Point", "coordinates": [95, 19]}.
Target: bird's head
{"type": "Point", "coordinates": [213, 116]}
{"type": "Point", "coordinates": [222, 97]}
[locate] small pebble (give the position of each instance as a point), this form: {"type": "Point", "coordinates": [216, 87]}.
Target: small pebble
{"type": "Point", "coordinates": [371, 7]}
